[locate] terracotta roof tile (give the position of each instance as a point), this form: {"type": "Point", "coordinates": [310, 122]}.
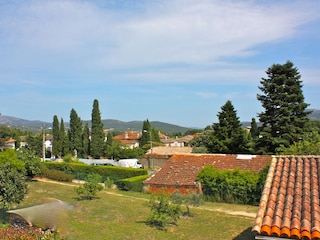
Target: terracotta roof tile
{"type": "Point", "coordinates": [182, 169]}
{"type": "Point", "coordinates": [289, 205]}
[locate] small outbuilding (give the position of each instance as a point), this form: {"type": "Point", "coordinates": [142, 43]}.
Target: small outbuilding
{"type": "Point", "coordinates": [179, 172]}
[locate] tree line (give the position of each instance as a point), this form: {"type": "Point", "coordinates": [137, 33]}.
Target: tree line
{"type": "Point", "coordinates": [284, 125]}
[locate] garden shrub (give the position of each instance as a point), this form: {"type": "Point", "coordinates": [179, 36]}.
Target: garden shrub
{"type": "Point", "coordinates": [56, 175]}
{"type": "Point", "coordinates": [81, 170]}
{"type": "Point", "coordinates": [232, 186]}
{"type": "Point", "coordinates": [163, 212]}
{"type": "Point", "coordinates": [132, 184]}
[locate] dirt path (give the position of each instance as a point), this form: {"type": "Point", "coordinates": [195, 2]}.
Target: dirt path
{"type": "Point", "coordinates": [78, 182]}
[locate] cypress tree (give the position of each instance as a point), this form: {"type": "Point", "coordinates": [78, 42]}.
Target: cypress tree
{"type": "Point", "coordinates": [65, 149]}
{"type": "Point", "coordinates": [285, 114]}
{"type": "Point", "coordinates": [75, 133]}
{"type": "Point", "coordinates": [86, 141]}
{"type": "Point", "coordinates": [97, 133]}
{"type": "Point", "coordinates": [56, 142]}
{"type": "Point", "coordinates": [146, 131]}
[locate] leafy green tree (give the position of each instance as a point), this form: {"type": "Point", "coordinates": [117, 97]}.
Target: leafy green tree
{"type": "Point", "coordinates": [204, 143]}
{"type": "Point", "coordinates": [75, 133]}
{"type": "Point", "coordinates": [90, 189]}
{"type": "Point", "coordinates": [31, 161]}
{"type": "Point", "coordinates": [35, 143]}
{"type": "Point", "coordinates": [285, 115]}
{"type": "Point", "coordinates": [308, 145]}
{"type": "Point", "coordinates": [163, 213]}
{"type": "Point", "coordinates": [97, 132]}
{"type": "Point", "coordinates": [13, 186]}
{"type": "Point", "coordinates": [113, 151]}
{"type": "Point", "coordinates": [56, 143]}
{"type": "Point", "coordinates": [229, 136]}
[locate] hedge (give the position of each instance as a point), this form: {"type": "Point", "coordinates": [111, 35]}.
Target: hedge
{"type": "Point", "coordinates": [54, 174]}
{"type": "Point", "coordinates": [232, 186]}
{"type": "Point", "coordinates": [80, 170]}
{"type": "Point", "coordinates": [132, 184]}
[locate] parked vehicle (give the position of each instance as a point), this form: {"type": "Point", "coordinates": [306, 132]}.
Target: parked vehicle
{"type": "Point", "coordinates": [130, 163]}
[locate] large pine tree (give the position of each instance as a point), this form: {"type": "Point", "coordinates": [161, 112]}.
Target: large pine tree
{"type": "Point", "coordinates": [285, 112]}
{"type": "Point", "coordinates": [228, 133]}
{"type": "Point", "coordinates": [97, 132]}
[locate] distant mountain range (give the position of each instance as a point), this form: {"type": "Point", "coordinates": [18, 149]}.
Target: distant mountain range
{"type": "Point", "coordinates": [35, 126]}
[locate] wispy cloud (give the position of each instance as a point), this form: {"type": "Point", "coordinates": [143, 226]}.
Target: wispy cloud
{"type": "Point", "coordinates": [161, 33]}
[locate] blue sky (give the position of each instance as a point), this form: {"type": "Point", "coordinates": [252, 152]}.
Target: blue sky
{"type": "Point", "coordinates": [176, 61]}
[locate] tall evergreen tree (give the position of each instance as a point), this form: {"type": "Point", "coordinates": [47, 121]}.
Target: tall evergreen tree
{"type": "Point", "coordinates": [285, 112]}
{"type": "Point", "coordinates": [65, 149]}
{"type": "Point", "coordinates": [56, 144]}
{"type": "Point", "coordinates": [146, 133]}
{"type": "Point", "coordinates": [75, 133]}
{"type": "Point", "coordinates": [228, 134]}
{"type": "Point", "coordinates": [86, 141]}
{"type": "Point", "coordinates": [97, 132]}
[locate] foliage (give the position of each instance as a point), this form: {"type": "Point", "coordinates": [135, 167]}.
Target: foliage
{"type": "Point", "coordinates": [285, 115]}
{"type": "Point", "coordinates": [35, 143]}
{"type": "Point", "coordinates": [65, 149]}
{"type": "Point", "coordinates": [108, 183]}
{"type": "Point", "coordinates": [231, 186]}
{"type": "Point", "coordinates": [10, 157]}
{"type": "Point", "coordinates": [163, 213]}
{"type": "Point", "coordinates": [55, 174]}
{"type": "Point", "coordinates": [31, 161]}
{"type": "Point", "coordinates": [191, 199]}
{"type": "Point", "coordinates": [86, 141]}
{"type": "Point", "coordinates": [308, 145]}
{"type": "Point", "coordinates": [80, 170]}
{"type": "Point", "coordinates": [75, 133]}
{"type": "Point", "coordinates": [56, 139]}
{"type": "Point", "coordinates": [146, 133]}
{"type": "Point", "coordinates": [13, 186]}
{"type": "Point", "coordinates": [228, 133]}
{"type": "Point", "coordinates": [132, 184]}
{"type": "Point", "coordinates": [18, 233]}
{"type": "Point", "coordinates": [97, 133]}
{"type": "Point", "coordinates": [90, 189]}
{"type": "Point", "coordinates": [203, 142]}
{"type": "Point", "coordinates": [69, 158]}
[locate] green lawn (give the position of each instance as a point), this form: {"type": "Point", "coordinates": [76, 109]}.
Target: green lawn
{"type": "Point", "coordinates": [122, 215]}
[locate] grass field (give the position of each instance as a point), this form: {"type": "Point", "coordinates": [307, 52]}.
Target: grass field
{"type": "Point", "coordinates": [122, 215]}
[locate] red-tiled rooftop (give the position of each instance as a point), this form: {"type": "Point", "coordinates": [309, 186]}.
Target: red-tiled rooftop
{"type": "Point", "coordinates": [289, 205]}
{"type": "Point", "coordinates": [182, 169]}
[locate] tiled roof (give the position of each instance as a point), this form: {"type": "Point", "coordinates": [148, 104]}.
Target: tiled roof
{"type": "Point", "coordinates": [182, 169]}
{"type": "Point", "coordinates": [128, 135]}
{"type": "Point", "coordinates": [289, 205]}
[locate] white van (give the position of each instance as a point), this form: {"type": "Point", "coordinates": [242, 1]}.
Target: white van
{"type": "Point", "coordinates": [130, 163]}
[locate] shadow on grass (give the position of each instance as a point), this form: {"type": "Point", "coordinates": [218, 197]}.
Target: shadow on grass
{"type": "Point", "coordinates": [4, 217]}
{"type": "Point", "coordinates": [246, 235]}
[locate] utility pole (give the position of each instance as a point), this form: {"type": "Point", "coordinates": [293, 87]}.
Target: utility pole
{"type": "Point", "coordinates": [43, 143]}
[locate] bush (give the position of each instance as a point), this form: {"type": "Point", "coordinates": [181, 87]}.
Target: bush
{"type": "Point", "coordinates": [55, 174]}
{"type": "Point", "coordinates": [232, 186]}
{"type": "Point", "coordinates": [90, 189]}
{"type": "Point", "coordinates": [163, 213]}
{"type": "Point", "coordinates": [81, 170]}
{"type": "Point", "coordinates": [132, 184]}
{"type": "Point", "coordinates": [108, 183]}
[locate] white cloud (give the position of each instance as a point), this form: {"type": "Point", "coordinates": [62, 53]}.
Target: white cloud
{"type": "Point", "coordinates": [187, 32]}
